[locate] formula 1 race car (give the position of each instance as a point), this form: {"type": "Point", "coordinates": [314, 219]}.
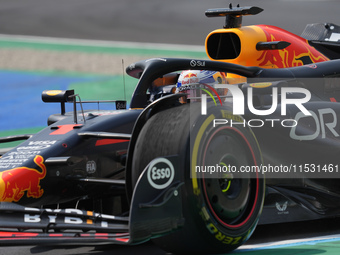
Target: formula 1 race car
{"type": "Point", "coordinates": [207, 150]}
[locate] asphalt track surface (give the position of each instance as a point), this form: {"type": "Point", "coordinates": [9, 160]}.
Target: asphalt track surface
{"type": "Point", "coordinates": [158, 21]}
{"type": "Point", "coordinates": [171, 22]}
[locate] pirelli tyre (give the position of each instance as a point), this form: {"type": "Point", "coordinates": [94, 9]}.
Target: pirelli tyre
{"type": "Point", "coordinates": [221, 209]}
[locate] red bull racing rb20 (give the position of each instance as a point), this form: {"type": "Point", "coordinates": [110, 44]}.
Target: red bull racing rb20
{"type": "Point", "coordinates": [207, 150]}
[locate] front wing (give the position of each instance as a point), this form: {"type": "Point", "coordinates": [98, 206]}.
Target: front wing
{"type": "Point", "coordinates": [153, 212]}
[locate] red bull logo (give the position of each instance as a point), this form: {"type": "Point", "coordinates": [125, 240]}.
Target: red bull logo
{"type": "Point", "coordinates": [190, 78]}
{"type": "Point", "coordinates": [15, 182]}
{"type": "Point", "coordinates": [297, 54]}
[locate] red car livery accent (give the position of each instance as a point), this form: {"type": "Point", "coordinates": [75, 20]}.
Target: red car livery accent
{"type": "Point", "coordinates": [64, 129]}
{"type": "Point", "coordinates": [297, 54]}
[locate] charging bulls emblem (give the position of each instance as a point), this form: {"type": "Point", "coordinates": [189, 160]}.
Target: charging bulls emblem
{"type": "Point", "coordinates": [15, 182]}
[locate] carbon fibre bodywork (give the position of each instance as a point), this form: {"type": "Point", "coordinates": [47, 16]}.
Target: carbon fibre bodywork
{"type": "Point", "coordinates": [73, 181]}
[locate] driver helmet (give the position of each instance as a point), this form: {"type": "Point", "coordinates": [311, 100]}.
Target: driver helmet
{"type": "Point", "coordinates": [194, 82]}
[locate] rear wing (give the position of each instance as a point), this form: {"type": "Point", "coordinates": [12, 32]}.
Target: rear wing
{"type": "Point", "coordinates": [325, 37]}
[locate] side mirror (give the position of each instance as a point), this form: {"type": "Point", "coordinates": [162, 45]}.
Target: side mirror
{"type": "Point", "coordinates": [55, 96]}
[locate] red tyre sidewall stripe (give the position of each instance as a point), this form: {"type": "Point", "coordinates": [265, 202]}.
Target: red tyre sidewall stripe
{"type": "Point", "coordinates": [257, 180]}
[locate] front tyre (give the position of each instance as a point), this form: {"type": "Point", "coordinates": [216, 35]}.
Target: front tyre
{"type": "Point", "coordinates": [221, 209]}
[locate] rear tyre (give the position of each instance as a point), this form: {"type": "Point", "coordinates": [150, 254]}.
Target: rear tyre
{"type": "Point", "coordinates": [220, 211]}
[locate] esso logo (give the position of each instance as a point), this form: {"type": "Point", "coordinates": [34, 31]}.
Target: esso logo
{"type": "Point", "coordinates": [161, 173]}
